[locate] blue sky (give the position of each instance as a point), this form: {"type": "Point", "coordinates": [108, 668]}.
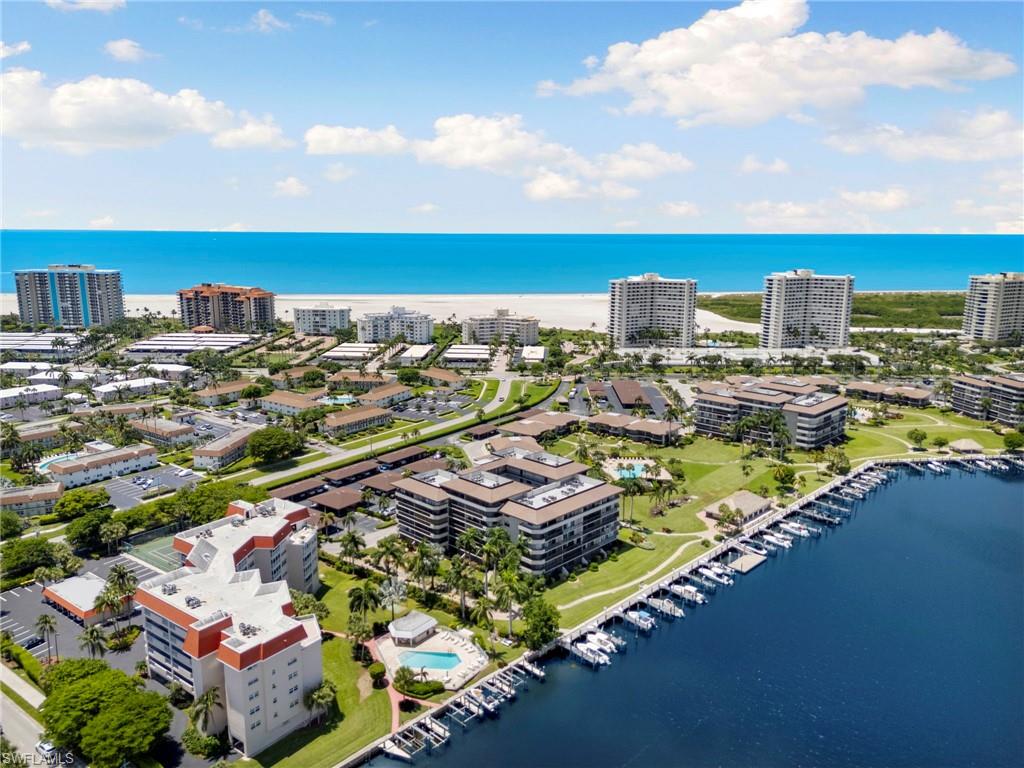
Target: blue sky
{"type": "Point", "coordinates": [462, 117]}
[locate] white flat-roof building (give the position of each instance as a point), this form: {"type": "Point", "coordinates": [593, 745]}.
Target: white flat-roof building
{"type": "Point", "coordinates": [129, 388]}
{"type": "Point", "coordinates": [802, 309]}
{"type": "Point", "coordinates": [351, 350]}
{"type": "Point", "coordinates": [54, 377]}
{"type": "Point", "coordinates": [169, 371]}
{"type": "Point", "coordinates": [416, 327]}
{"type": "Point", "coordinates": [170, 347]}
{"type": "Point", "coordinates": [415, 353]}
{"type": "Point", "coordinates": [533, 354]}
{"type": "Point", "coordinates": [322, 320]}
{"type": "Point", "coordinates": [467, 355]}
{"type": "Point", "coordinates": [87, 468]}
{"type": "Point", "coordinates": [24, 369]}
{"type": "Point", "coordinates": [502, 326]}
{"type": "Point", "coordinates": [651, 308]}
{"type": "Point", "coordinates": [225, 620]}
{"type": "Point", "coordinates": [21, 344]}
{"type": "Point", "coordinates": [994, 310]}
{"type": "Point", "coordinates": [36, 393]}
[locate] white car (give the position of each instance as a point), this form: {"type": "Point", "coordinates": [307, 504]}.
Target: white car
{"type": "Point", "coordinates": [47, 751]}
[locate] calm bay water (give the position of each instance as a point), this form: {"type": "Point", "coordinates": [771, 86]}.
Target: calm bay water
{"type": "Point", "coordinates": [162, 262]}
{"type": "Point", "coordinates": [894, 640]}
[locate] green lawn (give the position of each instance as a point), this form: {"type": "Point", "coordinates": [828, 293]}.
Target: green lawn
{"type": "Point", "coordinates": [365, 715]}
{"type": "Point", "coordinates": [490, 389]}
{"type": "Point", "coordinates": [22, 704]}
{"type": "Point", "coordinates": [400, 427]}
{"type": "Point", "coordinates": [267, 469]}
{"type": "Point", "coordinates": [9, 474]}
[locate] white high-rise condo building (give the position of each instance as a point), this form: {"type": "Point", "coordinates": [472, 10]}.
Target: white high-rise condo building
{"type": "Point", "coordinates": [374, 327]}
{"type": "Point", "coordinates": [321, 320]}
{"type": "Point", "coordinates": [802, 309]}
{"type": "Point", "coordinates": [650, 308]}
{"type": "Point", "coordinates": [69, 295]}
{"type": "Point", "coordinates": [995, 306]}
{"type": "Point", "coordinates": [502, 325]}
{"type": "Point", "coordinates": [226, 307]}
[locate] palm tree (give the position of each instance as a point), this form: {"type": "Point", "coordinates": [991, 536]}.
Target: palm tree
{"type": "Point", "coordinates": [390, 551]}
{"type": "Point", "coordinates": [404, 677]}
{"type": "Point", "coordinates": [424, 562]}
{"type": "Point", "coordinates": [481, 613]}
{"type": "Point", "coordinates": [327, 519]}
{"type": "Point", "coordinates": [203, 708]}
{"type": "Point", "coordinates": [459, 579]}
{"type": "Point", "coordinates": [493, 550]}
{"type": "Point", "coordinates": [123, 582]}
{"type": "Point", "coordinates": [469, 541]}
{"type": "Point", "coordinates": [392, 594]}
{"type": "Point", "coordinates": [320, 699]}
{"type": "Point", "coordinates": [46, 626]}
{"type": "Point", "coordinates": [352, 543]}
{"type": "Point", "coordinates": [93, 640]}
{"type": "Point", "coordinates": [506, 594]}
{"type": "Point", "coordinates": [363, 598]}
{"type": "Point", "coordinates": [107, 602]}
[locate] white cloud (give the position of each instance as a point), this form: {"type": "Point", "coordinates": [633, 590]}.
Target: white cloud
{"type": "Point", "coordinates": [747, 64]}
{"type": "Point", "coordinates": [627, 224]}
{"type": "Point", "coordinates": [339, 140]}
{"type": "Point", "coordinates": [642, 161]}
{"type": "Point", "coordinates": [262, 133]}
{"type": "Point", "coordinates": [1007, 181]}
{"type": "Point", "coordinates": [370, 23]}
{"type": "Point", "coordinates": [103, 222]}
{"type": "Point", "coordinates": [43, 213]}
{"type": "Point", "coordinates": [7, 51]}
{"type": "Point", "coordinates": [679, 209]}
{"type": "Point", "coordinates": [549, 185]}
{"type": "Point", "coordinates": [891, 199]}
{"type": "Point", "coordinates": [196, 24]}
{"type": "Point", "coordinates": [290, 187]}
{"type": "Point", "coordinates": [425, 208]}
{"type": "Point", "coordinates": [103, 6]}
{"type": "Point", "coordinates": [119, 113]}
{"type": "Point", "coordinates": [126, 50]}
{"type": "Point", "coordinates": [984, 135]}
{"type": "Point", "coordinates": [502, 145]}
{"type": "Point", "coordinates": [751, 164]}
{"type": "Point", "coordinates": [338, 172]}
{"type": "Point", "coordinates": [236, 226]}
{"type": "Point", "coordinates": [318, 16]}
{"type": "Point", "coordinates": [266, 22]}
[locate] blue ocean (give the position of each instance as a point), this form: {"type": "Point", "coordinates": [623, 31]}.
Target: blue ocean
{"type": "Point", "coordinates": [893, 640]}
{"type": "Point", "coordinates": [161, 262]}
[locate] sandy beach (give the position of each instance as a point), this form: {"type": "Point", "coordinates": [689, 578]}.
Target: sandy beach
{"type": "Point", "coordinates": [576, 311]}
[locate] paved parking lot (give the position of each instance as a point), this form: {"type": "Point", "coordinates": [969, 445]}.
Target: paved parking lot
{"type": "Point", "coordinates": [419, 408]}
{"type": "Point", "coordinates": [128, 491]}
{"type": "Point", "coordinates": [21, 607]}
{"type": "Point", "coordinates": [208, 429]}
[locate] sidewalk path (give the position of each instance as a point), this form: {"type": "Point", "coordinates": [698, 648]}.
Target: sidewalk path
{"type": "Point", "coordinates": [29, 693]}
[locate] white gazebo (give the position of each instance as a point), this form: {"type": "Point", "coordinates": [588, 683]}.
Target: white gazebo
{"type": "Point", "coordinates": [412, 629]}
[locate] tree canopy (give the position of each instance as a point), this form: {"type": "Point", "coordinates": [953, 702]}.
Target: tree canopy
{"type": "Point", "coordinates": [78, 501]}
{"type": "Point", "coordinates": [273, 444]}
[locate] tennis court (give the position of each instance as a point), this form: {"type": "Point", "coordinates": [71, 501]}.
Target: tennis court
{"type": "Point", "coordinates": [158, 553]}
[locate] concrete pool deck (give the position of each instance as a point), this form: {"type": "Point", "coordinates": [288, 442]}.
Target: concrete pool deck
{"type": "Point", "coordinates": [471, 658]}
{"type": "Point", "coordinates": [611, 468]}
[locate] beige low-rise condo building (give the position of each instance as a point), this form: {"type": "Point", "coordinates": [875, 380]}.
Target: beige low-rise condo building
{"type": "Point", "coordinates": [994, 310]}
{"type": "Point", "coordinates": [286, 403]}
{"type": "Point", "coordinates": [87, 468]}
{"type": "Point", "coordinates": [355, 420]}
{"type": "Point", "coordinates": [31, 500]}
{"type": "Point", "coordinates": [163, 431]}
{"type": "Point", "coordinates": [813, 418]}
{"type": "Point", "coordinates": [996, 398]}
{"type": "Point", "coordinates": [544, 501]}
{"type": "Point", "coordinates": [503, 327]}
{"type": "Point", "coordinates": [225, 620]}
{"type": "Point", "coordinates": [222, 392]}
{"type": "Point", "coordinates": [223, 451]}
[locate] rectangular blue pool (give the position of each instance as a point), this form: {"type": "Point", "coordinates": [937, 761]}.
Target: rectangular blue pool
{"type": "Point", "coordinates": [429, 659]}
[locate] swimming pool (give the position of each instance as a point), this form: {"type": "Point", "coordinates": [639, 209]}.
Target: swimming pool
{"type": "Point", "coordinates": [42, 465]}
{"type": "Point", "coordinates": [337, 400]}
{"type": "Point", "coordinates": [429, 659]}
{"type": "Point", "coordinates": [630, 472]}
